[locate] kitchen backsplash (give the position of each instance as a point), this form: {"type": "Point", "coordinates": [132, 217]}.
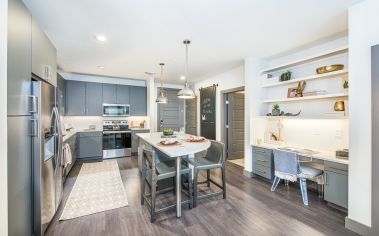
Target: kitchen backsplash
{"type": "Point", "coordinates": [84, 122]}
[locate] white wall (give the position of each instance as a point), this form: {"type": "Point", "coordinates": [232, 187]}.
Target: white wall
{"type": "Point", "coordinates": [363, 33]}
{"type": "Point", "coordinates": [253, 96]}
{"type": "Point", "coordinates": [3, 119]}
{"type": "Point", "coordinates": [228, 80]}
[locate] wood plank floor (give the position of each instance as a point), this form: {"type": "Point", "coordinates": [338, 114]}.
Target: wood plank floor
{"type": "Point", "coordinates": [250, 209]}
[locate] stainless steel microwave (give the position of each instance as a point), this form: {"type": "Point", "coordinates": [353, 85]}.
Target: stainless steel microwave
{"type": "Point", "coordinates": [116, 109]}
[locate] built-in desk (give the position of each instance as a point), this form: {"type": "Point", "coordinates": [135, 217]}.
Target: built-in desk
{"type": "Point", "coordinates": [335, 169]}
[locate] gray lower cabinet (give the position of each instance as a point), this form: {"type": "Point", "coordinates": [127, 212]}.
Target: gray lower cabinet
{"type": "Point", "coordinates": [123, 94]}
{"type": "Point", "coordinates": [75, 98]}
{"type": "Point", "coordinates": [263, 162]}
{"type": "Point", "coordinates": [110, 93]}
{"type": "Point", "coordinates": [138, 101]}
{"type": "Point", "coordinates": [135, 138]}
{"type": "Point", "coordinates": [94, 99]}
{"type": "Point", "coordinates": [336, 184]}
{"type": "Point", "coordinates": [44, 55]}
{"type": "Point", "coordinates": [72, 141]}
{"type": "Point", "coordinates": [90, 145]}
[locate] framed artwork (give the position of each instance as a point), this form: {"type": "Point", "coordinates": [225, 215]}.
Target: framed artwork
{"type": "Point", "coordinates": [291, 92]}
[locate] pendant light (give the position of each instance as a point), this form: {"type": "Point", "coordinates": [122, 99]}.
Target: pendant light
{"type": "Point", "coordinates": [161, 98]}
{"type": "Point", "coordinates": [186, 92]}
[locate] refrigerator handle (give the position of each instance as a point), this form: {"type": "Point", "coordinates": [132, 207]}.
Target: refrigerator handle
{"type": "Point", "coordinates": [33, 104]}
{"type": "Point", "coordinates": [34, 128]}
{"type": "Point", "coordinates": [60, 136]}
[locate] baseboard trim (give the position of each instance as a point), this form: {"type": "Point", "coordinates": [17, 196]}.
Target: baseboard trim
{"type": "Point", "coordinates": [247, 173]}
{"type": "Point", "coordinates": [356, 226]}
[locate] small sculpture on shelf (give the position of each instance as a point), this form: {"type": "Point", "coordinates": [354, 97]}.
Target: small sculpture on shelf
{"type": "Point", "coordinates": [345, 84]}
{"type": "Point", "coordinates": [300, 88]}
{"type": "Point", "coordinates": [282, 113]}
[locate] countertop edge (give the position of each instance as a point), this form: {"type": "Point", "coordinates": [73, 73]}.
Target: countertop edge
{"type": "Point", "coordinates": [320, 156]}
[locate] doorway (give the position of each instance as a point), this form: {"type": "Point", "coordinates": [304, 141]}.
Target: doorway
{"type": "Point", "coordinates": [234, 126]}
{"type": "Point", "coordinates": [171, 114]}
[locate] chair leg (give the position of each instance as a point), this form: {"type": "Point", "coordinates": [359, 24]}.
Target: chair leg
{"type": "Point", "coordinates": [190, 189]}
{"type": "Point", "coordinates": [208, 177]}
{"type": "Point", "coordinates": [303, 187]}
{"type": "Point", "coordinates": [154, 181]}
{"type": "Point", "coordinates": [275, 183]}
{"type": "Point", "coordinates": [143, 179]}
{"type": "Point", "coordinates": [195, 187]}
{"type": "Point", "coordinates": [223, 182]}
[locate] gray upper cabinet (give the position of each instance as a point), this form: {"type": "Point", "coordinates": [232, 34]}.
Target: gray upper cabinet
{"type": "Point", "coordinates": [44, 55]}
{"type": "Point", "coordinates": [94, 100]}
{"type": "Point", "coordinates": [19, 58]}
{"type": "Point", "coordinates": [138, 101]}
{"type": "Point", "coordinates": [123, 94]}
{"type": "Point", "coordinates": [75, 98]}
{"type": "Point", "coordinates": [110, 93]}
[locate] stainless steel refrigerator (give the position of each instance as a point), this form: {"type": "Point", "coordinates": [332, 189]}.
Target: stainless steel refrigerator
{"type": "Point", "coordinates": [47, 141]}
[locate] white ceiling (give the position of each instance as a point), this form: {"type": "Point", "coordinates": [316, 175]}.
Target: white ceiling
{"type": "Point", "coordinates": [142, 33]}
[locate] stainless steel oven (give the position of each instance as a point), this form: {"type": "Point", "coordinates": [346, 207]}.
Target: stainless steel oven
{"type": "Point", "coordinates": [117, 139]}
{"type": "Point", "coordinates": [116, 109]}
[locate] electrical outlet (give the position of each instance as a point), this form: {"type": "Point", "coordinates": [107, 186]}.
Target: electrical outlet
{"type": "Point", "coordinates": [339, 133]}
{"type": "Point", "coordinates": [316, 132]}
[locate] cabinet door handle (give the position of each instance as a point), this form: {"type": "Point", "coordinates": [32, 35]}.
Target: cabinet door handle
{"type": "Point", "coordinates": [260, 151]}
{"type": "Point", "coordinates": [336, 169]}
{"type": "Point", "coordinates": [261, 160]}
{"type": "Point", "coordinates": [326, 178]}
{"type": "Point", "coordinates": [263, 172]}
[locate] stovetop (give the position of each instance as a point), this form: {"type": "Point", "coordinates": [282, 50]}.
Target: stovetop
{"type": "Point", "coordinates": [115, 125]}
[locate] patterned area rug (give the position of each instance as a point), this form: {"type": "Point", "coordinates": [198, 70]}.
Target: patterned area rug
{"type": "Point", "coordinates": [98, 188]}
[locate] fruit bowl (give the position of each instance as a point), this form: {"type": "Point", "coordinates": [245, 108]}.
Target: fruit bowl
{"type": "Point", "coordinates": [168, 132]}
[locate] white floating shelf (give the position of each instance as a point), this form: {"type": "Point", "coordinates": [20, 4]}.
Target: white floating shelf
{"type": "Point", "coordinates": [311, 77]}
{"type": "Point", "coordinates": [325, 96]}
{"type": "Point", "coordinates": [315, 57]}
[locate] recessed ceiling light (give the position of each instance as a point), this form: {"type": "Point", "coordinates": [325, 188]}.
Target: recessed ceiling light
{"type": "Point", "coordinates": [101, 67]}
{"type": "Point", "coordinates": [100, 38]}
{"type": "Point", "coordinates": [182, 77]}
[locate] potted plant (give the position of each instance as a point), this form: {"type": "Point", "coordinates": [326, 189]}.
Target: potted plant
{"type": "Point", "coordinates": [285, 76]}
{"type": "Point", "coordinates": [275, 110]}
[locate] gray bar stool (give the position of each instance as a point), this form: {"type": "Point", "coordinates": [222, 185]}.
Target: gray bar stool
{"type": "Point", "coordinates": [156, 167]}
{"type": "Point", "coordinates": [214, 159]}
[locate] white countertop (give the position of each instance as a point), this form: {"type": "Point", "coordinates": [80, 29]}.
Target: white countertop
{"type": "Point", "coordinates": [69, 134]}
{"type": "Point", "coordinates": [184, 149]}
{"type": "Point", "coordinates": [321, 155]}
{"type": "Point", "coordinates": [137, 128]}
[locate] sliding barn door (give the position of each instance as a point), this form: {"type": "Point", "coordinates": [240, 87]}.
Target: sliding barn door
{"type": "Point", "coordinates": [208, 112]}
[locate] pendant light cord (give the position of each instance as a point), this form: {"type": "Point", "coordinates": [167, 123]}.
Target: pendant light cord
{"type": "Point", "coordinates": [161, 64]}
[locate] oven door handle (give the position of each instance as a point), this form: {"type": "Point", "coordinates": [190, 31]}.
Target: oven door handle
{"type": "Point", "coordinates": [117, 132]}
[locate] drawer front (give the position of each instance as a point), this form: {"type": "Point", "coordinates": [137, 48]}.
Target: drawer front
{"type": "Point", "coordinates": [264, 160]}
{"type": "Point", "coordinates": [336, 167]}
{"type": "Point", "coordinates": [262, 151]}
{"type": "Point", "coordinates": [91, 134]}
{"type": "Point", "coordinates": [262, 171]}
